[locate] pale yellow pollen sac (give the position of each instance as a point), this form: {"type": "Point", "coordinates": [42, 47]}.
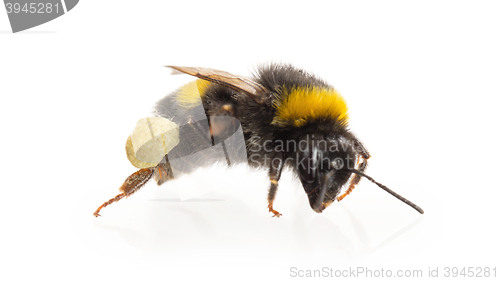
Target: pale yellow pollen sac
{"type": "Point", "coordinates": [151, 139]}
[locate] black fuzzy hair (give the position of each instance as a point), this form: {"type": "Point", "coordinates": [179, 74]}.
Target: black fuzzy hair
{"type": "Point", "coordinates": [273, 76]}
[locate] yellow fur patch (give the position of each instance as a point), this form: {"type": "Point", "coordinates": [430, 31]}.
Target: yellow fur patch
{"type": "Point", "coordinates": [190, 94]}
{"type": "Point", "coordinates": [302, 104]}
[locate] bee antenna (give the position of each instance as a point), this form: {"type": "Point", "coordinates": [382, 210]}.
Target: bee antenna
{"type": "Point", "coordinates": [406, 201]}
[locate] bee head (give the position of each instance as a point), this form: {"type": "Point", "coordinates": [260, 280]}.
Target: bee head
{"type": "Point", "coordinates": [323, 166]}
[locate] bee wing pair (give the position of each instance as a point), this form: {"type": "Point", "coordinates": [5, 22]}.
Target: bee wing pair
{"type": "Point", "coordinates": [243, 84]}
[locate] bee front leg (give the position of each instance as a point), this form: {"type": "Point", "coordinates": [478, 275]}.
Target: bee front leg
{"type": "Point", "coordinates": [364, 156]}
{"type": "Point", "coordinates": [274, 175]}
{"type": "Point", "coordinates": [129, 187]}
{"type": "Point", "coordinates": [355, 180]}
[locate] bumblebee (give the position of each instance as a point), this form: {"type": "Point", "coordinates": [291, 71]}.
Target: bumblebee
{"type": "Point", "coordinates": [288, 118]}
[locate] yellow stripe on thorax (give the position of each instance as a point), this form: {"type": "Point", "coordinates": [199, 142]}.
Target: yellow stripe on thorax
{"type": "Point", "coordinates": [190, 94]}
{"type": "Point", "coordinates": [299, 105]}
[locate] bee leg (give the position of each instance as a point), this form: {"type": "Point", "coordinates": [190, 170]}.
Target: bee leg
{"type": "Point", "coordinates": [226, 154]}
{"type": "Point", "coordinates": [362, 154]}
{"type": "Point", "coordinates": [274, 175]}
{"type": "Point", "coordinates": [133, 183]}
{"type": "Point", "coordinates": [355, 179]}
{"type": "Point", "coordinates": [112, 200]}
{"type": "Point", "coordinates": [163, 171]}
{"type": "Point", "coordinates": [270, 198]}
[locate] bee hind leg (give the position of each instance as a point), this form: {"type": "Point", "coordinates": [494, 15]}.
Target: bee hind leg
{"type": "Point", "coordinates": [112, 200]}
{"type": "Point", "coordinates": [133, 183]}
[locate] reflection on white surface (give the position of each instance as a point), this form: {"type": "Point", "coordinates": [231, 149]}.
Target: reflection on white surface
{"type": "Point", "coordinates": [233, 220]}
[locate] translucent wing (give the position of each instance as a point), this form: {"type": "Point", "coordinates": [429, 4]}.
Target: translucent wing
{"type": "Point", "coordinates": [239, 83]}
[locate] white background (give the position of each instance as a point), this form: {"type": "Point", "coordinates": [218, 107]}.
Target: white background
{"type": "Point", "coordinates": [422, 84]}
